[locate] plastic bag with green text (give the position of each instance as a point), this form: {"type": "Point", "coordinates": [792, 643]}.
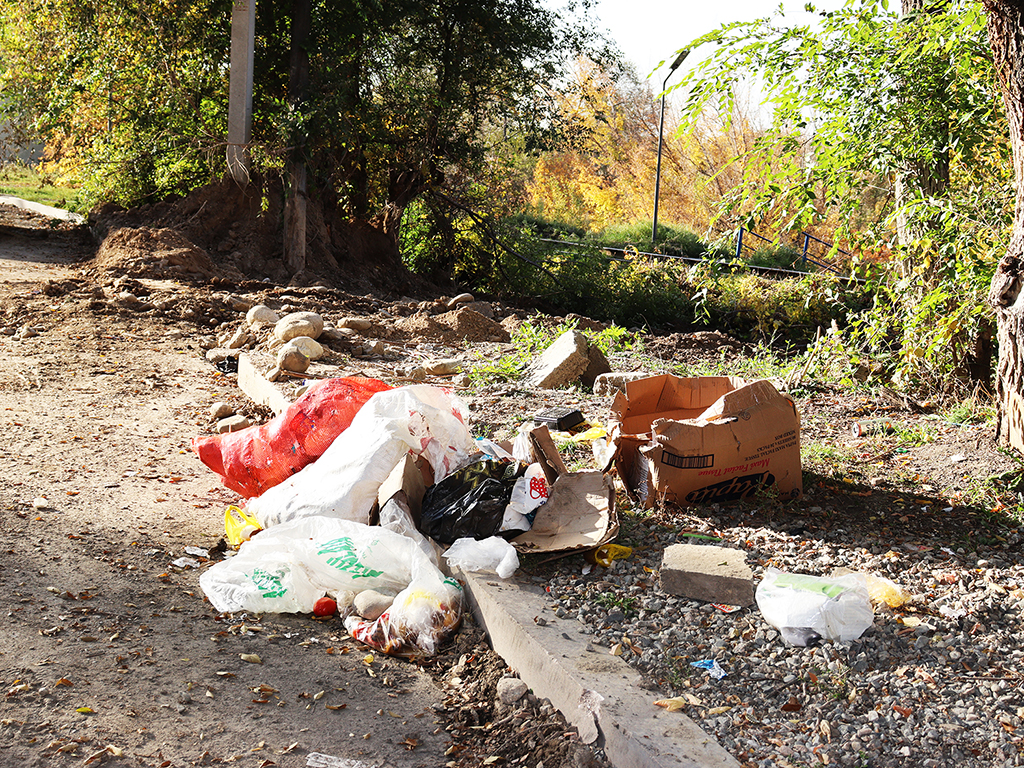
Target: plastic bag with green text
{"type": "Point", "coordinates": [288, 567]}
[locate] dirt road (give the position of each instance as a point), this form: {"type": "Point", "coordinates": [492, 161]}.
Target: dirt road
{"type": "Point", "coordinates": [110, 653]}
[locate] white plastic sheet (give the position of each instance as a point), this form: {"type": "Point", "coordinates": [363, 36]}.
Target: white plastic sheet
{"type": "Point", "coordinates": [835, 608]}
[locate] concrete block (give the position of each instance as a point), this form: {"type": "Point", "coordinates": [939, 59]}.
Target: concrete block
{"type": "Point", "coordinates": [712, 574]}
{"type": "Point", "coordinates": [256, 386]}
{"type": "Point", "coordinates": [598, 364]}
{"type": "Point", "coordinates": [607, 384]}
{"type": "Point", "coordinates": [561, 363]}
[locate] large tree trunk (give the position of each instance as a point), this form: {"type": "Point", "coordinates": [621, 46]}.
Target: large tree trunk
{"type": "Point", "coordinates": [1006, 37]}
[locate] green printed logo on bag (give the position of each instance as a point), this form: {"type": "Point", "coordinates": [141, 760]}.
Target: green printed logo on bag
{"type": "Point", "coordinates": [268, 584]}
{"type": "Point", "coordinates": [348, 560]}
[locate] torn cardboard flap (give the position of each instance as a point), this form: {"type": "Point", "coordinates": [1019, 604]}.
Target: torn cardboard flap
{"type": "Point", "coordinates": [579, 514]}
{"type": "Point", "coordinates": [706, 439]}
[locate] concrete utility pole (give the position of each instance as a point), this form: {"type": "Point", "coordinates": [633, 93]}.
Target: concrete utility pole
{"type": "Point", "coordinates": [243, 24]}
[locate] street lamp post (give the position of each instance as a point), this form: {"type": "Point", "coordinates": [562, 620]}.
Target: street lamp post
{"type": "Point", "coordinates": [661, 128]}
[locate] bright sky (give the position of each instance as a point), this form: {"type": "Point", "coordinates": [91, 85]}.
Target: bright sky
{"type": "Point", "coordinates": [650, 31]}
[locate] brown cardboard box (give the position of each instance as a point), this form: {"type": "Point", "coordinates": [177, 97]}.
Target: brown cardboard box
{"type": "Point", "coordinates": [705, 439]}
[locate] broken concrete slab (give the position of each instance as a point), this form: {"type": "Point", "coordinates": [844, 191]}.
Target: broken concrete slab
{"type": "Point", "coordinates": [258, 388]}
{"type": "Point", "coordinates": [712, 574]}
{"type": "Point", "coordinates": [561, 363]}
{"type": "Point", "coordinates": [595, 691]}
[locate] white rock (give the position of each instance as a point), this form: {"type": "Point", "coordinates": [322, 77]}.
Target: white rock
{"type": "Point", "coordinates": [370, 604]}
{"type": "Point", "coordinates": [299, 324]}
{"type": "Point", "coordinates": [311, 348]}
{"type": "Point", "coordinates": [462, 298]}
{"type": "Point", "coordinates": [40, 502]}
{"type": "Point", "coordinates": [261, 314]}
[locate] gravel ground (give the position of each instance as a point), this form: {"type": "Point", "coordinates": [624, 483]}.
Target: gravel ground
{"type": "Point", "coordinates": [935, 682]}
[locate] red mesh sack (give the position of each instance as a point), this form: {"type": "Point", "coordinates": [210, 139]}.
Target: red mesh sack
{"type": "Point", "coordinates": [252, 460]}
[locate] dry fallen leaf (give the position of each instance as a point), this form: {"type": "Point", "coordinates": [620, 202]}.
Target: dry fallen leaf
{"type": "Point", "coordinates": [718, 710]}
{"type": "Point", "coordinates": [793, 705]}
{"type": "Point", "coordinates": [63, 681]}
{"type": "Point", "coordinates": [252, 658]}
{"type": "Point", "coordinates": [85, 710]}
{"type": "Point", "coordinates": [674, 704]}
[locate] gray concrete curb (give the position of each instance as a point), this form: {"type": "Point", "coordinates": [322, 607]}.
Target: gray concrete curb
{"type": "Point", "coordinates": [42, 210]}
{"type": "Point", "coordinates": [598, 693]}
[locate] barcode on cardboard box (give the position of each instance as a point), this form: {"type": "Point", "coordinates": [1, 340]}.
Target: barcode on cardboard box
{"type": "Point", "coordinates": [688, 462]}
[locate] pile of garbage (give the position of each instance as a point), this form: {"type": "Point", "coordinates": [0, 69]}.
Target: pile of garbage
{"type": "Point", "coordinates": [350, 491]}
{"type": "Point", "coordinates": [356, 489]}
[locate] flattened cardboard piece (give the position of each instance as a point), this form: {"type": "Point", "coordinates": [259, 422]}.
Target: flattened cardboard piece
{"type": "Point", "coordinates": [579, 514]}
{"type": "Point", "coordinates": [743, 437]}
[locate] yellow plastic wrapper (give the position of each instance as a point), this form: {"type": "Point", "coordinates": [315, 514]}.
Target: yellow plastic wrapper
{"type": "Point", "coordinates": [882, 590]}
{"type": "Point", "coordinates": [593, 432]}
{"type": "Point", "coordinates": [604, 554]}
{"type": "Point", "coordinates": [239, 525]}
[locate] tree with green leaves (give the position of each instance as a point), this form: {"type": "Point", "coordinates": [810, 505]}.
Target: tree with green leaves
{"type": "Point", "coordinates": [888, 124]}
{"type": "Point", "coordinates": [379, 103]}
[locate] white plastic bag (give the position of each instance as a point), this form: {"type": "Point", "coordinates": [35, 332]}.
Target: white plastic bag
{"type": "Point", "coordinates": [835, 608]}
{"type": "Point", "coordinates": [529, 492]}
{"type": "Point", "coordinates": [287, 567]}
{"type": "Point", "coordinates": [491, 554]}
{"type": "Point", "coordinates": [343, 482]}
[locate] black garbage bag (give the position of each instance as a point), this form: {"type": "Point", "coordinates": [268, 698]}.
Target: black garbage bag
{"type": "Point", "coordinates": [470, 503]}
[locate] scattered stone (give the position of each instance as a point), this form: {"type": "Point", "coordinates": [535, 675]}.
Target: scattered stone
{"type": "Point", "coordinates": [291, 358]}
{"type": "Point", "coordinates": [442, 367]}
{"type": "Point", "coordinates": [232, 424]}
{"type": "Point", "coordinates": [26, 332]}
{"type": "Point", "coordinates": [40, 503]}
{"type": "Point", "coordinates": [511, 689]}
{"type": "Point", "coordinates": [712, 574]}
{"type": "Point", "coordinates": [299, 324]}
{"type": "Point", "coordinates": [238, 339]}
{"type": "Point", "coordinates": [608, 384]}
{"type": "Point", "coordinates": [355, 323]}
{"type": "Point", "coordinates": [561, 363]}
{"type": "Point", "coordinates": [221, 410]}
{"type": "Point", "coordinates": [127, 298]}
{"type": "Point", "coordinates": [419, 373]}
{"type": "Point", "coordinates": [261, 314]}
{"type": "Point", "coordinates": [462, 298]}
{"type": "Point", "coordinates": [462, 380]}
{"type": "Point", "coordinates": [370, 604]}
